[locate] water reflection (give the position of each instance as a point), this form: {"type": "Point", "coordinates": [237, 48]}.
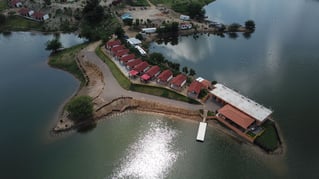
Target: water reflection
{"type": "Point", "coordinates": [152, 155]}
{"type": "Point", "coordinates": [187, 50]}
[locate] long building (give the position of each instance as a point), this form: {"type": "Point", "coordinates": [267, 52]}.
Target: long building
{"type": "Point", "coordinates": [239, 112]}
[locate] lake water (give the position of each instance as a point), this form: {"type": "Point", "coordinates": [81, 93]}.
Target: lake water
{"type": "Point", "coordinates": [277, 67]}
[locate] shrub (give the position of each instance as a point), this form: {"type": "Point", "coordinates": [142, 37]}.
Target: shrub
{"type": "Point", "coordinates": [80, 108]}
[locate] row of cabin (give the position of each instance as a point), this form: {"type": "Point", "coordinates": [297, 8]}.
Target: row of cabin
{"type": "Point", "coordinates": [146, 73]}
{"type": "Point", "coordinates": [39, 16]}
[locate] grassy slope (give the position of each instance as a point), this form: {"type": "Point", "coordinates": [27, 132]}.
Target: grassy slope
{"type": "Point", "coordinates": [18, 23]}
{"type": "Point", "coordinates": [65, 60]}
{"type": "Point", "coordinates": [269, 139]}
{"type": "Point", "coordinates": [126, 84]}
{"type": "Point", "coordinates": [3, 5]}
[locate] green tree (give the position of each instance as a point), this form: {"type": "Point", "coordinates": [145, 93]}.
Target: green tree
{"type": "Point", "coordinates": [202, 93]}
{"type": "Point", "coordinates": [233, 27]}
{"type": "Point", "coordinates": [139, 36]}
{"type": "Point", "coordinates": [192, 72]}
{"type": "Point", "coordinates": [195, 10]}
{"type": "Point", "coordinates": [3, 19]}
{"type": "Point", "coordinates": [157, 57]}
{"type": "Point", "coordinates": [93, 12]}
{"type": "Point", "coordinates": [185, 70]}
{"type": "Point", "coordinates": [128, 21]}
{"type": "Point", "coordinates": [119, 32]}
{"type": "Point", "coordinates": [53, 45]}
{"type": "Point", "coordinates": [250, 24]}
{"type": "Point", "coordinates": [80, 108]}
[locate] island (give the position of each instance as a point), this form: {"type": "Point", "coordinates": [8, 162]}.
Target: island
{"type": "Point", "coordinates": [118, 74]}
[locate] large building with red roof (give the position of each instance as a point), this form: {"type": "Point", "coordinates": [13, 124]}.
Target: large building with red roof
{"type": "Point", "coordinates": [239, 119]}
{"type": "Point", "coordinates": [178, 82]}
{"type": "Point", "coordinates": [164, 77]}
{"type": "Point", "coordinates": [194, 89]}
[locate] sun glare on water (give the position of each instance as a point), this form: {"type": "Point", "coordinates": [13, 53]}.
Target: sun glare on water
{"type": "Point", "coordinates": [151, 156]}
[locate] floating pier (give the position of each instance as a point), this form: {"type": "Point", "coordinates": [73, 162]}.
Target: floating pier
{"type": "Point", "coordinates": [201, 131]}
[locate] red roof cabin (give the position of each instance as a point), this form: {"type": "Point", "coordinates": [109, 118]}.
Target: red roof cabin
{"type": "Point", "coordinates": [39, 16]}
{"type": "Point", "coordinates": [178, 82]}
{"type": "Point", "coordinates": [164, 77]}
{"type": "Point", "coordinates": [124, 60]}
{"type": "Point", "coordinates": [194, 89]}
{"type": "Point", "coordinates": [207, 84]}
{"type": "Point", "coordinates": [139, 69]}
{"type": "Point", "coordinates": [117, 48]}
{"type": "Point", "coordinates": [150, 74]}
{"type": "Point", "coordinates": [24, 11]}
{"type": "Point", "coordinates": [130, 65]}
{"type": "Point", "coordinates": [121, 53]}
{"type": "Point", "coordinates": [111, 44]}
{"type": "Point", "coordinates": [15, 3]}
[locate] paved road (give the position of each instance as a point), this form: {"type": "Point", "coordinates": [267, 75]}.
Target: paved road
{"type": "Point", "coordinates": [112, 89]}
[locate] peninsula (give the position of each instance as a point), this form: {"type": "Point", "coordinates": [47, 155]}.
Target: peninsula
{"type": "Point", "coordinates": [118, 74]}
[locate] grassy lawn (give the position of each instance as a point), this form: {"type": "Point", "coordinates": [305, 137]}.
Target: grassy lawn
{"type": "Point", "coordinates": [120, 77]}
{"type": "Point", "coordinates": [269, 139]}
{"type": "Point", "coordinates": [65, 60]}
{"type": "Point", "coordinates": [3, 5]}
{"type": "Point", "coordinates": [163, 92]}
{"type": "Point", "coordinates": [20, 24]}
{"type": "Point", "coordinates": [153, 90]}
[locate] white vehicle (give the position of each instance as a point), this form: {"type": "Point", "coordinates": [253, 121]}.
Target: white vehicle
{"type": "Point", "coordinates": [149, 30]}
{"type": "Point", "coordinates": [184, 18]}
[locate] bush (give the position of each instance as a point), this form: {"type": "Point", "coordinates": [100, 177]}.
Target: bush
{"type": "Point", "coordinates": [80, 108]}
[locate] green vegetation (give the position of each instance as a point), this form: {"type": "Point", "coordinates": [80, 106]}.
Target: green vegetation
{"type": "Point", "coordinates": [138, 2]}
{"type": "Point", "coordinates": [269, 140]}
{"type": "Point", "coordinates": [153, 90]}
{"type": "Point", "coordinates": [80, 108]}
{"type": "Point", "coordinates": [250, 24]}
{"type": "Point", "coordinates": [3, 5]}
{"type": "Point", "coordinates": [97, 23]}
{"type": "Point", "coordinates": [65, 60]}
{"type": "Point", "coordinates": [3, 19]}
{"type": "Point", "coordinates": [210, 113]}
{"type": "Point", "coordinates": [17, 23]}
{"type": "Point", "coordinates": [53, 45]}
{"type": "Point", "coordinates": [202, 93]}
{"type": "Point", "coordinates": [159, 91]}
{"type": "Point", "coordinates": [119, 76]}
{"type": "Point", "coordinates": [233, 27]}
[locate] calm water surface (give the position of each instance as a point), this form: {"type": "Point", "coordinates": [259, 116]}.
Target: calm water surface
{"type": "Point", "coordinates": [277, 67]}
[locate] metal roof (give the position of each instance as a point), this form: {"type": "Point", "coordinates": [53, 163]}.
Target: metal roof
{"type": "Point", "coordinates": [246, 105]}
{"type": "Point", "coordinates": [240, 118]}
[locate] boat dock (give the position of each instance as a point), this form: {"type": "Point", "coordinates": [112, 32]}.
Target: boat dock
{"type": "Point", "coordinates": [201, 131]}
{"type": "Point", "coordinates": [202, 128]}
